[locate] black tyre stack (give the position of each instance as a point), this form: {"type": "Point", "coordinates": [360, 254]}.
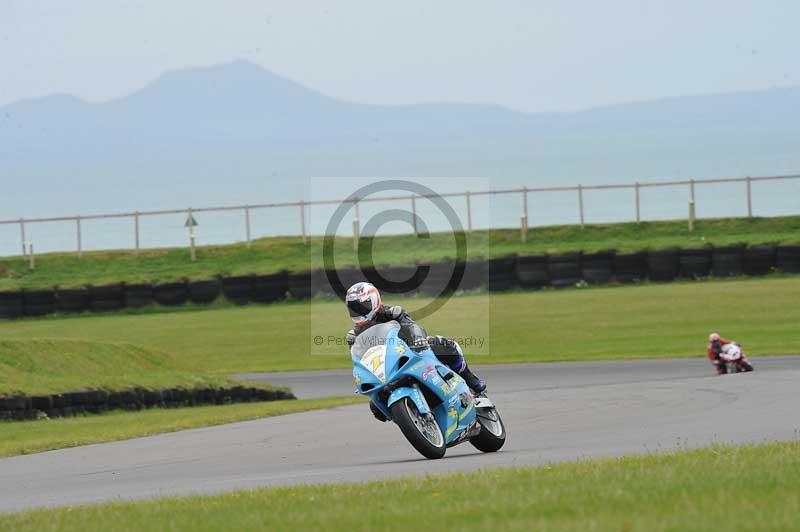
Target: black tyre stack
{"type": "Point", "coordinates": [72, 299]}
{"type": "Point", "coordinates": [447, 276]}
{"type": "Point", "coordinates": [138, 295]}
{"type": "Point", "coordinates": [240, 289]}
{"type": "Point", "coordinates": [727, 261]}
{"type": "Point", "coordinates": [532, 271]}
{"type": "Point", "coordinates": [321, 284]}
{"type": "Point", "coordinates": [475, 274]}
{"type": "Point", "coordinates": [395, 280]}
{"type": "Point", "coordinates": [105, 298]}
{"type": "Point", "coordinates": [502, 274]}
{"type": "Point", "coordinates": [598, 268]}
{"type": "Point", "coordinates": [204, 292]}
{"type": "Point", "coordinates": [630, 267]}
{"type": "Point", "coordinates": [299, 285]}
{"type": "Point", "coordinates": [759, 260]}
{"type": "Point", "coordinates": [663, 264]}
{"type": "Point", "coordinates": [695, 263]}
{"type": "Point", "coordinates": [440, 278]}
{"type": "Point", "coordinates": [171, 294]}
{"type": "Point", "coordinates": [271, 288]}
{"type": "Point", "coordinates": [347, 277]}
{"type": "Point", "coordinates": [564, 269]}
{"type": "Point", "coordinates": [787, 259]}
{"type": "Point", "coordinates": [39, 302]}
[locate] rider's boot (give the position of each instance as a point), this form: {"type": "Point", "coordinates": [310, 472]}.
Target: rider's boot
{"type": "Point", "coordinates": [475, 383]}
{"type": "Point", "coordinates": [450, 353]}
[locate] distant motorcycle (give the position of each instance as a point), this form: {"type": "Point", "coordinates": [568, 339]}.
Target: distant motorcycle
{"type": "Point", "coordinates": [432, 405]}
{"type": "Point", "coordinates": [734, 358]}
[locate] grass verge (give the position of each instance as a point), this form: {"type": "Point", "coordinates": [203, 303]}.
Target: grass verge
{"type": "Point", "coordinates": [718, 488]}
{"type": "Point", "coordinates": [44, 366]}
{"type": "Point", "coordinates": [647, 321]}
{"type": "Point", "coordinates": [268, 255]}
{"type": "Point", "coordinates": [47, 434]}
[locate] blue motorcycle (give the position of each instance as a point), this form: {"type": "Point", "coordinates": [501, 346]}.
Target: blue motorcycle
{"type": "Point", "coordinates": [432, 405]}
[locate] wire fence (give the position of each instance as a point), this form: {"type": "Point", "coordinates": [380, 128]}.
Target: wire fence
{"type": "Point", "coordinates": [137, 228]}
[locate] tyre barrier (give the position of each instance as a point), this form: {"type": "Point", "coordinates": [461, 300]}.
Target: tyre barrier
{"type": "Point", "coordinates": [204, 292]}
{"type": "Point", "coordinates": [348, 277]}
{"type": "Point", "coordinates": [171, 294]}
{"type": "Point", "coordinates": [502, 273]}
{"type": "Point", "coordinates": [39, 302]}
{"type": "Point", "coordinates": [475, 274]}
{"type": "Point", "coordinates": [395, 280]}
{"type": "Point", "coordinates": [532, 271]}
{"type": "Point", "coordinates": [759, 260]}
{"type": "Point", "coordinates": [108, 297]}
{"type": "Point", "coordinates": [564, 269]}
{"type": "Point", "coordinates": [597, 268]}
{"type": "Point", "coordinates": [299, 285]}
{"type": "Point", "coordinates": [72, 299]}
{"type": "Point", "coordinates": [727, 261]}
{"type": "Point", "coordinates": [787, 259]}
{"type": "Point", "coordinates": [695, 263]}
{"type": "Point", "coordinates": [505, 273]}
{"type": "Point", "coordinates": [270, 288]}
{"type": "Point", "coordinates": [440, 278]}
{"type": "Point", "coordinates": [138, 295]}
{"type": "Point", "coordinates": [320, 283]}
{"type": "Point", "coordinates": [663, 264]}
{"type": "Point", "coordinates": [630, 267]}
{"type": "Point", "coordinates": [11, 305]}
{"type": "Point", "coordinates": [23, 407]}
{"type": "Point", "coordinates": [239, 290]}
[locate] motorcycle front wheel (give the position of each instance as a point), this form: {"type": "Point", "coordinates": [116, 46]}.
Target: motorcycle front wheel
{"type": "Point", "coordinates": [421, 430]}
{"type": "Point", "coordinates": [493, 432]}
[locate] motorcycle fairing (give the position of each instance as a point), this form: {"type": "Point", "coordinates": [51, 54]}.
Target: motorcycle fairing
{"type": "Point", "coordinates": [454, 411]}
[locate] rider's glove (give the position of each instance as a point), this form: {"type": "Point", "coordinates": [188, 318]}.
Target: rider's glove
{"type": "Point", "coordinates": [380, 416]}
{"type": "Point", "coordinates": [420, 343]}
{"type": "Point", "coordinates": [350, 337]}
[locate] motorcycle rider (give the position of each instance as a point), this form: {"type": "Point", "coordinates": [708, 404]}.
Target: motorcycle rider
{"type": "Point", "coordinates": [366, 309]}
{"type": "Point", "coordinates": [714, 348]}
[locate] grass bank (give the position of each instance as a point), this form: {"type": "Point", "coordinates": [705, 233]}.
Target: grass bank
{"type": "Point", "coordinates": [647, 321]}
{"type": "Point", "coordinates": [268, 255]}
{"type": "Point", "coordinates": [719, 488]}
{"type": "Point", "coordinates": [44, 366]}
{"type": "Point", "coordinates": [47, 434]}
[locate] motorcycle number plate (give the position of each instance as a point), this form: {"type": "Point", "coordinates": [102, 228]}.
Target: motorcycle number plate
{"type": "Point", "coordinates": [375, 361]}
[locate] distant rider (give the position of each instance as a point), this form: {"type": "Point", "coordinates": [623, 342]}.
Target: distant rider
{"type": "Point", "coordinates": [716, 343]}
{"type": "Point", "coordinates": [366, 309]}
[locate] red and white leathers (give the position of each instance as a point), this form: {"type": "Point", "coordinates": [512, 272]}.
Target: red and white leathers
{"type": "Point", "coordinates": [715, 345]}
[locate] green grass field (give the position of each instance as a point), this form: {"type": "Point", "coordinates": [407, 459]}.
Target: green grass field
{"type": "Point", "coordinates": [41, 366]}
{"type": "Point", "coordinates": [718, 488]}
{"type": "Point", "coordinates": [46, 434]}
{"type": "Point", "coordinates": [269, 255]}
{"type": "Point", "coordinates": [647, 321]}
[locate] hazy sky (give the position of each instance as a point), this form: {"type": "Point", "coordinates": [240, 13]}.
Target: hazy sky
{"type": "Point", "coordinates": [529, 55]}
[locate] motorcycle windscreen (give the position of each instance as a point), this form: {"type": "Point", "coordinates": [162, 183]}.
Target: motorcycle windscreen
{"type": "Point", "coordinates": [372, 337]}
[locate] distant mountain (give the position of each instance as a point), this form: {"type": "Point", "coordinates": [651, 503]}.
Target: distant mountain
{"type": "Point", "coordinates": [237, 133]}
{"type": "Point", "coordinates": [240, 108]}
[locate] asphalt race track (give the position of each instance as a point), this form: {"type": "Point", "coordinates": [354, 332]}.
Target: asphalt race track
{"type": "Point", "coordinates": [553, 412]}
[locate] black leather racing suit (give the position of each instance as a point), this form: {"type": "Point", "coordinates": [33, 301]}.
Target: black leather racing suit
{"type": "Point", "coordinates": [415, 336]}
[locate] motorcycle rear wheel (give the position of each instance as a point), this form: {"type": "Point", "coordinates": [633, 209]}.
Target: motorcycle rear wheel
{"type": "Point", "coordinates": [421, 430]}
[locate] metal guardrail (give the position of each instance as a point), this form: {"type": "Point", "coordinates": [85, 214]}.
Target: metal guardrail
{"type": "Point", "coordinates": [524, 191]}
